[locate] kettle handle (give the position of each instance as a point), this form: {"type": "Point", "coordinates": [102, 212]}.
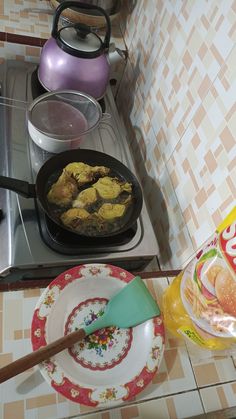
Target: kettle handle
{"type": "Point", "coordinates": [68, 4]}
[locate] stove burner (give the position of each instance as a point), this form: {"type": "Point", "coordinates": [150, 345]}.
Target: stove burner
{"type": "Point", "coordinates": [64, 242]}
{"type": "Point", "coordinates": [33, 246]}
{"type": "Point", "coordinates": [38, 90]}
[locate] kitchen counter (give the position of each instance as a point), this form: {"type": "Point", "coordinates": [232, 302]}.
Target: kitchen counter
{"type": "Point", "coordinates": [189, 382]}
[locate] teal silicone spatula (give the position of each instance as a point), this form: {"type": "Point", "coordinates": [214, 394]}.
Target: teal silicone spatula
{"type": "Point", "coordinates": [129, 307]}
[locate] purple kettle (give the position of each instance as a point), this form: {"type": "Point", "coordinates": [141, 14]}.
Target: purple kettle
{"type": "Point", "coordinates": [75, 58]}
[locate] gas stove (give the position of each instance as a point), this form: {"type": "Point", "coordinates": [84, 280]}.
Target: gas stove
{"type": "Point", "coordinates": [31, 245]}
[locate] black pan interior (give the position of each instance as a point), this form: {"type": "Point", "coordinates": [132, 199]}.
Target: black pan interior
{"type": "Point", "coordinates": [53, 167]}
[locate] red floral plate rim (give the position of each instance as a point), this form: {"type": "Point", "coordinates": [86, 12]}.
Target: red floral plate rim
{"type": "Point", "coordinates": [55, 376]}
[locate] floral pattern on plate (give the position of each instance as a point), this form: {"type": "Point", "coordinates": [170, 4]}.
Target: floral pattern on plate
{"type": "Point", "coordinates": [115, 383]}
{"type": "Point", "coordinates": [48, 301]}
{"type": "Point", "coordinates": [103, 349]}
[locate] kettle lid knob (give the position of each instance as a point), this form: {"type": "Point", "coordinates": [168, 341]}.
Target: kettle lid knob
{"type": "Point", "coordinates": [80, 41]}
{"type": "Point", "coordinates": [82, 30]}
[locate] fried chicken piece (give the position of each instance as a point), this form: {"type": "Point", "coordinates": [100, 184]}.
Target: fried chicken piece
{"type": "Point", "coordinates": [109, 212]}
{"type": "Point", "coordinates": [81, 221]}
{"type": "Point", "coordinates": [63, 191]}
{"type": "Point", "coordinates": [83, 173]}
{"type": "Point", "coordinates": [73, 217]}
{"type": "Point", "coordinates": [85, 198]}
{"type": "Point", "coordinates": [110, 188]}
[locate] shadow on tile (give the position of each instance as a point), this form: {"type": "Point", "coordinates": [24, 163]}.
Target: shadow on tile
{"type": "Point", "coordinates": [31, 382]}
{"type": "Point", "coordinates": [152, 193]}
{"type": "Point", "coordinates": [154, 198]}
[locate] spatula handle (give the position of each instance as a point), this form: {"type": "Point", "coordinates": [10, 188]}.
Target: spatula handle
{"type": "Point", "coordinates": [34, 358]}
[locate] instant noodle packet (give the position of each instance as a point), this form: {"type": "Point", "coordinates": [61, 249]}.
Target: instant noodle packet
{"type": "Point", "coordinates": [200, 303]}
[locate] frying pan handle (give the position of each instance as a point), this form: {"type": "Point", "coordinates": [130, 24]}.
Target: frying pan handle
{"type": "Point", "coordinates": [27, 190]}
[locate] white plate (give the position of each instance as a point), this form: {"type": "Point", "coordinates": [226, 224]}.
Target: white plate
{"type": "Point", "coordinates": [108, 367]}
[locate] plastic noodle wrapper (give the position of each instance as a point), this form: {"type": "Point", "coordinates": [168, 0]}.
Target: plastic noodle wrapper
{"type": "Point", "coordinates": [200, 303]}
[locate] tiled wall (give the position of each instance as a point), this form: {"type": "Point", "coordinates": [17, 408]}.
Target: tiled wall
{"type": "Point", "coordinates": [19, 52]}
{"type": "Point", "coordinates": [177, 99]}
{"type": "Point", "coordinates": [30, 18]}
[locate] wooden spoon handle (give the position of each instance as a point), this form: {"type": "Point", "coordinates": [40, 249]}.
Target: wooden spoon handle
{"type": "Point", "coordinates": [34, 358]}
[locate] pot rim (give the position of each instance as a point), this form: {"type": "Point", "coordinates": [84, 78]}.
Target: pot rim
{"type": "Point", "coordinates": [61, 137]}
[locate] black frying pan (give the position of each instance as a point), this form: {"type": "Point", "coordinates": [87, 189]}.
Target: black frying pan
{"type": "Point", "coordinates": [57, 163]}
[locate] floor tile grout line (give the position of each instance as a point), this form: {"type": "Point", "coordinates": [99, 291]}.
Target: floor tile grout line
{"type": "Point", "coordinates": [234, 361]}
{"type": "Point", "coordinates": [138, 402]}
{"type": "Point", "coordinates": [221, 383]}
{"type": "Point", "coordinates": [201, 400]}
{"type": "Point", "coordinates": [191, 363]}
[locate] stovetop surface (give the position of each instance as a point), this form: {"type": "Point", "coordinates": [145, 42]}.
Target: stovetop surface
{"type": "Point", "coordinates": [25, 247]}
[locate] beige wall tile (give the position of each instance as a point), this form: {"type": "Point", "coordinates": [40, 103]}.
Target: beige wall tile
{"type": "Point", "coordinates": [159, 378]}
{"type": "Point", "coordinates": [18, 20]}
{"type": "Point", "coordinates": [149, 410]}
{"type": "Point", "coordinates": [18, 334]}
{"type": "Point", "coordinates": [129, 412]}
{"type": "Point", "coordinates": [227, 138]}
{"type": "Point", "coordinates": [173, 364]}
{"type": "Point", "coordinates": [206, 375]}
{"type": "Point", "coordinates": [16, 51]}
{"type": "Point", "coordinates": [14, 410]}
{"type": "Point", "coordinates": [27, 333]}
{"type": "Point", "coordinates": [234, 387]}
{"type": "Point", "coordinates": [222, 397]}
{"type": "Point", "coordinates": [5, 359]}
{"type": "Point", "coordinates": [35, 292]}
{"type": "Point", "coordinates": [13, 317]}
{"type": "Point", "coordinates": [35, 402]}
{"type": "Point", "coordinates": [210, 161]}
{"type": "Point", "coordinates": [33, 51]}
{"type": "Point", "coordinates": [171, 407]}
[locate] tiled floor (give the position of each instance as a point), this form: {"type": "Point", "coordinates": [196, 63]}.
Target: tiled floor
{"type": "Point", "coordinates": [189, 381]}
